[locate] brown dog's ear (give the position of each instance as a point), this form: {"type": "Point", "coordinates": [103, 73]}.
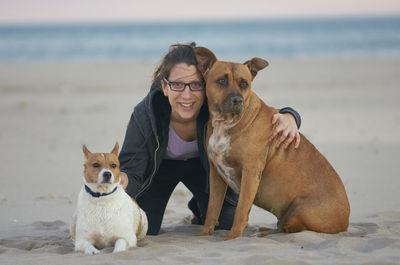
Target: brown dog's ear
{"type": "Point", "coordinates": [86, 151]}
{"type": "Point", "coordinates": [115, 149]}
{"type": "Point", "coordinates": [205, 59]}
{"type": "Point", "coordinates": [256, 64]}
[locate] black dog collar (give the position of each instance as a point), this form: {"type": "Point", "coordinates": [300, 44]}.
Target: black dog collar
{"type": "Point", "coordinates": [98, 194]}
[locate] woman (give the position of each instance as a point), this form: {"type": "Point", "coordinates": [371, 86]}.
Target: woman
{"type": "Point", "coordinates": [164, 142]}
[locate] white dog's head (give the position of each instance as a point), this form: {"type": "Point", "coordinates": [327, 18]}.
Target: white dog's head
{"type": "Point", "coordinates": [101, 171]}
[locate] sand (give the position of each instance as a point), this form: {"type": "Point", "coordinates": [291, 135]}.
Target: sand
{"type": "Point", "coordinates": [350, 111]}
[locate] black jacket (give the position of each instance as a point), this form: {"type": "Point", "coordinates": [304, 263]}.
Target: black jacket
{"type": "Point", "coordinates": [146, 141]}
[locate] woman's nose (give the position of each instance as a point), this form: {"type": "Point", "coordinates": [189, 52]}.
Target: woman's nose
{"type": "Point", "coordinates": [186, 93]}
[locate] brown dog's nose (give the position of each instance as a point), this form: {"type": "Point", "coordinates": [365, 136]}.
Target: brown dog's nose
{"type": "Point", "coordinates": [233, 103]}
{"type": "Point", "coordinates": [237, 100]}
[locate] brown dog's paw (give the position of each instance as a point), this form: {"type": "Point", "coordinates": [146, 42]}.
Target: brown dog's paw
{"type": "Point", "coordinates": [206, 232]}
{"type": "Point", "coordinates": [264, 229]}
{"type": "Point", "coordinates": [231, 236]}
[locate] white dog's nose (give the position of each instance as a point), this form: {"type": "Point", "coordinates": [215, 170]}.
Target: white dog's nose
{"type": "Point", "coordinates": [107, 176]}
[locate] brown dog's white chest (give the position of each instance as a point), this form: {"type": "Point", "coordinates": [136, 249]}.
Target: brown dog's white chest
{"type": "Point", "coordinates": [218, 152]}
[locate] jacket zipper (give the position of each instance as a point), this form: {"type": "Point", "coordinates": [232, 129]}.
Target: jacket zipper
{"type": "Point", "coordinates": [154, 171]}
{"type": "Point", "coordinates": [207, 161]}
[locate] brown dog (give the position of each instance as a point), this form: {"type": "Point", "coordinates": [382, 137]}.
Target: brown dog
{"type": "Point", "coordinates": [299, 187]}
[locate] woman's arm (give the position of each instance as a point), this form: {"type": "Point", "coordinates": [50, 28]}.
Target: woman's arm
{"type": "Point", "coordinates": [294, 113]}
{"type": "Point", "coordinates": [133, 158]}
{"type": "Point", "coordinates": [287, 123]}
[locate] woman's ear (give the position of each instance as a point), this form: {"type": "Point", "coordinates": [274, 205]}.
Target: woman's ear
{"type": "Point", "coordinates": [164, 88]}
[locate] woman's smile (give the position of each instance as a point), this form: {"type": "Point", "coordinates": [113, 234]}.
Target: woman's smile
{"type": "Point", "coordinates": [187, 106]}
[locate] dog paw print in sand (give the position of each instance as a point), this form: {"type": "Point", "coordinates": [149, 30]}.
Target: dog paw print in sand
{"type": "Point", "coordinates": [40, 236]}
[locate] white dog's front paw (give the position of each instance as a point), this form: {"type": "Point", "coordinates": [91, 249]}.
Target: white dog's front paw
{"type": "Point", "coordinates": [86, 247]}
{"type": "Point", "coordinates": [120, 245]}
{"type": "Point", "coordinates": [90, 249]}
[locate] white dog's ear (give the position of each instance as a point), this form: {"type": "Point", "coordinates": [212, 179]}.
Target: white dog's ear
{"type": "Point", "coordinates": [256, 64]}
{"type": "Point", "coordinates": [115, 149]}
{"type": "Point", "coordinates": [86, 151]}
{"type": "Point", "coordinates": [205, 59]}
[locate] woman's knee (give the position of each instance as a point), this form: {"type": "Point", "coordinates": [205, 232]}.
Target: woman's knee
{"type": "Point", "coordinates": [226, 217]}
{"type": "Point", "coordinates": [153, 230]}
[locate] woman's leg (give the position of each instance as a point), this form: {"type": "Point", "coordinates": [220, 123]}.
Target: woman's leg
{"type": "Point", "coordinates": [154, 200]}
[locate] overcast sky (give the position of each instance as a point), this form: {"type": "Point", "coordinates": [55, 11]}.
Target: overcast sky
{"type": "Point", "coordinates": [15, 11]}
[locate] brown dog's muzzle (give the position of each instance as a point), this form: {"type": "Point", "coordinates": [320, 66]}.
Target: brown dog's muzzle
{"type": "Point", "coordinates": [233, 103]}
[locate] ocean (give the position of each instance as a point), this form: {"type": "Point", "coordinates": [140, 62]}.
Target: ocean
{"type": "Point", "coordinates": [331, 37]}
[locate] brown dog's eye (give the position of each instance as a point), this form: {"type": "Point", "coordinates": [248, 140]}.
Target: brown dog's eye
{"type": "Point", "coordinates": [243, 85]}
{"type": "Point", "coordinates": [96, 165]}
{"type": "Point", "coordinates": [113, 165]}
{"type": "Point", "coordinates": [222, 82]}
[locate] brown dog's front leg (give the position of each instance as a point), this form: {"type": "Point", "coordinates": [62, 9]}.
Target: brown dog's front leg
{"type": "Point", "coordinates": [248, 190]}
{"type": "Point", "coordinates": [216, 199]}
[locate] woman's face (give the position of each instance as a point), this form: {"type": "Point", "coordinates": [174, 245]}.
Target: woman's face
{"type": "Point", "coordinates": [186, 104]}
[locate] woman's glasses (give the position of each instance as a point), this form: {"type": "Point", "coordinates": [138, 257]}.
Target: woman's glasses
{"type": "Point", "coordinates": [180, 86]}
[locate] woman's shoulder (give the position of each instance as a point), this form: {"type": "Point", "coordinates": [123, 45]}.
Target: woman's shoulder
{"type": "Point", "coordinates": [150, 103]}
{"type": "Point", "coordinates": [141, 112]}
{"type": "Point", "coordinates": [151, 110]}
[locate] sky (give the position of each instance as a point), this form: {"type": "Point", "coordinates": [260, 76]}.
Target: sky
{"type": "Point", "coordinates": [37, 11]}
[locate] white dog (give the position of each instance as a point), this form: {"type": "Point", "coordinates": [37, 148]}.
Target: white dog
{"type": "Point", "coordinates": [106, 215]}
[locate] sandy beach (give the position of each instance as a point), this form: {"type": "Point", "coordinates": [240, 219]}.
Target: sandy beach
{"type": "Point", "coordinates": [350, 111]}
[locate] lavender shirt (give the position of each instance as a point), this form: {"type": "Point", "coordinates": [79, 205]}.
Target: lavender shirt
{"type": "Point", "coordinates": [179, 149]}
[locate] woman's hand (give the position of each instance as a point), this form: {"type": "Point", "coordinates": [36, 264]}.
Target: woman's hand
{"type": "Point", "coordinates": [286, 125]}
{"type": "Point", "coordinates": [124, 179]}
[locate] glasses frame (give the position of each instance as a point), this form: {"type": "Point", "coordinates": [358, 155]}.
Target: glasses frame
{"type": "Point", "coordinates": [184, 86]}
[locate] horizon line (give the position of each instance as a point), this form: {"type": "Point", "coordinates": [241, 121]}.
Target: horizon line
{"type": "Point", "coordinates": [201, 20]}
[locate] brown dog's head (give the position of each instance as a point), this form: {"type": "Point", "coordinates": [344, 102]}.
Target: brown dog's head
{"type": "Point", "coordinates": [101, 170]}
{"type": "Point", "coordinates": [227, 84]}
